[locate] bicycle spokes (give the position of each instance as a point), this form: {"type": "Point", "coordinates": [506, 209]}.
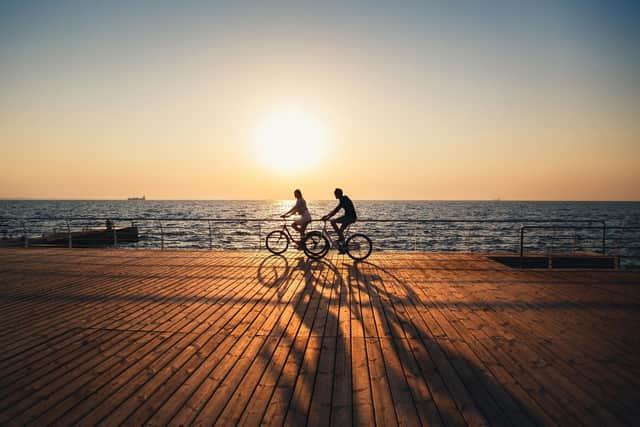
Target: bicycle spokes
{"type": "Point", "coordinates": [358, 246]}
{"type": "Point", "coordinates": [315, 245]}
{"type": "Point", "coordinates": [277, 242]}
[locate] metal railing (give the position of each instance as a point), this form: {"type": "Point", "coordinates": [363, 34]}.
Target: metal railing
{"type": "Point", "coordinates": [515, 235]}
{"type": "Point", "coordinates": [573, 228]}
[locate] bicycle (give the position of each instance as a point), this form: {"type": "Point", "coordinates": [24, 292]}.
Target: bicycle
{"type": "Point", "coordinates": [316, 244]}
{"type": "Point", "coordinates": [278, 241]}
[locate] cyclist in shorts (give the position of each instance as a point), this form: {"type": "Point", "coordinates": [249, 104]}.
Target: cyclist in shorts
{"type": "Point", "coordinates": [345, 220]}
{"type": "Point", "coordinates": [300, 208]}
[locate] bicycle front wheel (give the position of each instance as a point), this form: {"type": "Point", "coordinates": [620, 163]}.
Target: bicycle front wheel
{"type": "Point", "coordinates": [277, 242]}
{"type": "Point", "coordinates": [358, 246]}
{"type": "Point", "coordinates": [315, 245]}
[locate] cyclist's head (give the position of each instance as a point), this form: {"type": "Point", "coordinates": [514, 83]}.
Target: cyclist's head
{"type": "Point", "coordinates": [297, 194]}
{"type": "Point", "coordinates": [337, 192]}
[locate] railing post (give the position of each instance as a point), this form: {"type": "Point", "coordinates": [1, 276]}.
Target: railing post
{"type": "Point", "coordinates": [259, 236]}
{"type": "Point", "coordinates": [604, 237]}
{"type": "Point", "coordinates": [115, 234]}
{"type": "Point", "coordinates": [621, 246]}
{"type": "Point", "coordinates": [210, 235]}
{"type": "Point", "coordinates": [415, 238]}
{"type": "Point", "coordinates": [26, 235]}
{"type": "Point", "coordinates": [469, 240]}
{"type": "Point", "coordinates": [69, 234]}
{"type": "Point", "coordinates": [161, 235]}
{"type": "Point", "coordinates": [521, 244]}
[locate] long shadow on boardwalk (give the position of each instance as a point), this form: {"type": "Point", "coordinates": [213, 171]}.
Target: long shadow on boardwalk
{"type": "Point", "coordinates": [403, 357]}
{"type": "Point", "coordinates": [390, 366]}
{"type": "Point", "coordinates": [321, 342]}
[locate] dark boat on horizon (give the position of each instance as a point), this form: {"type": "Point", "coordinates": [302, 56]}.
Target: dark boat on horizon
{"type": "Point", "coordinates": [93, 238]}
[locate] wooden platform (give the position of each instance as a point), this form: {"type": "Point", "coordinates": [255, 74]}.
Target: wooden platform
{"type": "Point", "coordinates": [148, 337]}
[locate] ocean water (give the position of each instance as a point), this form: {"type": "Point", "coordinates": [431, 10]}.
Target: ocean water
{"type": "Point", "coordinates": [442, 226]}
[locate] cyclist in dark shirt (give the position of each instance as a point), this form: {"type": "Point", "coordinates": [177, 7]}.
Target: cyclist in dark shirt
{"type": "Point", "coordinates": [348, 218]}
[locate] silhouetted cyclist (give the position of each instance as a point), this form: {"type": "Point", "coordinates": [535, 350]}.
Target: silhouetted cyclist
{"type": "Point", "coordinates": [300, 208]}
{"type": "Point", "coordinates": [345, 220]}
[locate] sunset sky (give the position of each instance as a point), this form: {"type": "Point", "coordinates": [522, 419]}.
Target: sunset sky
{"type": "Point", "coordinates": [469, 100]}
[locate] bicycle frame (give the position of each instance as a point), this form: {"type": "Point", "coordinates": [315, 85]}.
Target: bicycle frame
{"type": "Point", "coordinates": [326, 234]}
{"type": "Point", "coordinates": [285, 229]}
{"type": "Point", "coordinates": [317, 248]}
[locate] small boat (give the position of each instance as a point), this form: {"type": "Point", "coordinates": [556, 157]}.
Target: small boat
{"type": "Point", "coordinates": [137, 198]}
{"type": "Point", "coordinates": [93, 238]}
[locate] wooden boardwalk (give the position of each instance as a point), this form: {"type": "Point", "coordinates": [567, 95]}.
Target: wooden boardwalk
{"type": "Point", "coordinates": [148, 337]}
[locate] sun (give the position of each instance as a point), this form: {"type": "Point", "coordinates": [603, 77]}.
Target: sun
{"type": "Point", "coordinates": [290, 140]}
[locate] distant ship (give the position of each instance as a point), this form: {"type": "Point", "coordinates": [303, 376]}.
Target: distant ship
{"type": "Point", "coordinates": [137, 198]}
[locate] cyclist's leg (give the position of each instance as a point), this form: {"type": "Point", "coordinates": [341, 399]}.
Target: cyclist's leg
{"type": "Point", "coordinates": [345, 223]}
{"type": "Point", "coordinates": [334, 223]}
{"type": "Point", "coordinates": [300, 226]}
{"type": "Point", "coordinates": [303, 228]}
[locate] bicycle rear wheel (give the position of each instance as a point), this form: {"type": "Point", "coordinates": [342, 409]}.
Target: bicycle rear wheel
{"type": "Point", "coordinates": [358, 246]}
{"type": "Point", "coordinates": [315, 245]}
{"type": "Point", "coordinates": [277, 242]}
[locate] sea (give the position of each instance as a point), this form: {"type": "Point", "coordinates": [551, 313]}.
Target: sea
{"type": "Point", "coordinates": [438, 226]}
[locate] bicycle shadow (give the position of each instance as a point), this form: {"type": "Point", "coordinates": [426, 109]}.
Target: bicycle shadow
{"type": "Point", "coordinates": [273, 271]}
{"type": "Point", "coordinates": [378, 344]}
{"type": "Point", "coordinates": [315, 284]}
{"type": "Point", "coordinates": [366, 345]}
{"type": "Point", "coordinates": [441, 375]}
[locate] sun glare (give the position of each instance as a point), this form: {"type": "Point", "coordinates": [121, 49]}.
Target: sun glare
{"type": "Point", "coordinates": [290, 141]}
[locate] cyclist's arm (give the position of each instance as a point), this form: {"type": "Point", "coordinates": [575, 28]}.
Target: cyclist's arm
{"type": "Point", "coordinates": [333, 212]}
{"type": "Point", "coordinates": [289, 212]}
{"type": "Point", "coordinates": [295, 209]}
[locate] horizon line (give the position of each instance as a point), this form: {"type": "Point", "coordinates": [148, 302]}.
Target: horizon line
{"type": "Point", "coordinates": [270, 200]}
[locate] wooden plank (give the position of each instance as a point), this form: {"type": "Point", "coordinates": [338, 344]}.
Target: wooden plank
{"type": "Point", "coordinates": [342, 402]}
{"type": "Point", "coordinates": [298, 410]}
{"type": "Point", "coordinates": [362, 400]}
{"type": "Point", "coordinates": [522, 377]}
{"type": "Point", "coordinates": [182, 337]}
{"type": "Point", "coordinates": [541, 383]}
{"type": "Point", "coordinates": [223, 380]}
{"type": "Point", "coordinates": [189, 360]}
{"type": "Point", "coordinates": [118, 325]}
{"type": "Point", "coordinates": [326, 328]}
{"type": "Point", "coordinates": [533, 352]}
{"type": "Point", "coordinates": [254, 412]}
{"type": "Point", "coordinates": [129, 375]}
{"type": "Point", "coordinates": [77, 310]}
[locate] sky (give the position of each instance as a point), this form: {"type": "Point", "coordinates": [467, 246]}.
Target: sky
{"type": "Point", "coordinates": [427, 100]}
